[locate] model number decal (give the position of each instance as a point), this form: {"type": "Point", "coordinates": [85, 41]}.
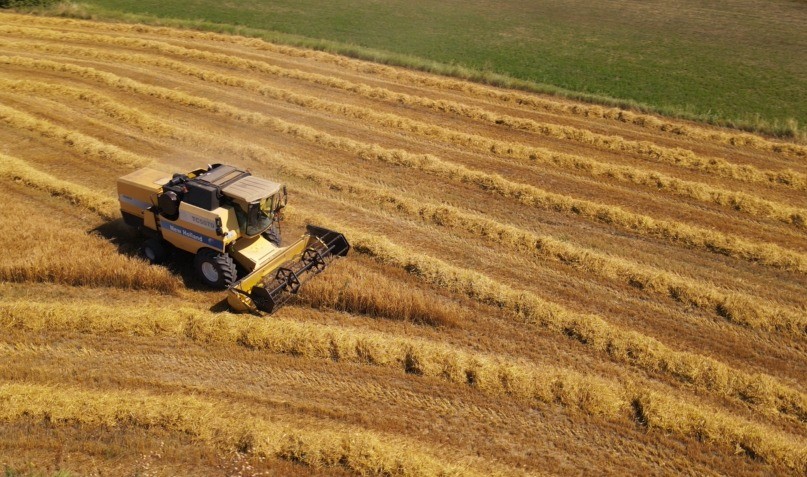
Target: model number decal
{"type": "Point", "coordinates": [188, 217]}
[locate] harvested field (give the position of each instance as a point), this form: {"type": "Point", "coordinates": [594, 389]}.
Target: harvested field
{"type": "Point", "coordinates": [537, 287]}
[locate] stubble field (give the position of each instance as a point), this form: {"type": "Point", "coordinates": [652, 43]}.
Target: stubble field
{"type": "Point", "coordinates": [537, 286]}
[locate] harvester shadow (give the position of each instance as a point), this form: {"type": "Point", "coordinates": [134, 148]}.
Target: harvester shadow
{"type": "Point", "coordinates": [220, 307]}
{"type": "Point", "coordinates": [129, 242]}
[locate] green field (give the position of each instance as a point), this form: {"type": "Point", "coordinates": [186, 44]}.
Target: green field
{"type": "Point", "coordinates": [737, 61]}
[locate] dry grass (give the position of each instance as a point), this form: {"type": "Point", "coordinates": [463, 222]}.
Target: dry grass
{"type": "Point", "coordinates": [658, 410]}
{"type": "Point", "coordinates": [80, 143]}
{"type": "Point", "coordinates": [736, 307]}
{"type": "Point", "coordinates": [109, 106]}
{"type": "Point", "coordinates": [289, 333]}
{"type": "Point", "coordinates": [223, 425]}
{"type": "Point", "coordinates": [352, 288]}
{"type": "Point", "coordinates": [65, 255]}
{"type": "Point", "coordinates": [677, 157]}
{"type": "Point", "coordinates": [739, 308]}
{"type": "Point", "coordinates": [17, 170]}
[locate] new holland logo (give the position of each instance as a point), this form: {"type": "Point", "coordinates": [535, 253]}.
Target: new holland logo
{"type": "Point", "coordinates": [210, 242]}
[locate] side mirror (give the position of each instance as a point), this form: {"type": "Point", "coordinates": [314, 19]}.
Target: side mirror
{"type": "Point", "coordinates": [283, 199]}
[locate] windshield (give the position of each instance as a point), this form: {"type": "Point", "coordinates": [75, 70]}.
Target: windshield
{"type": "Point", "coordinates": [260, 216]}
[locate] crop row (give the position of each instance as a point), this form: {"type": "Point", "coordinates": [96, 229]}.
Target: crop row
{"type": "Point", "coordinates": [490, 374]}
{"type": "Point", "coordinates": [80, 143]}
{"type": "Point", "coordinates": [625, 346]}
{"type": "Point", "coordinates": [63, 254]}
{"type": "Point", "coordinates": [290, 333]}
{"type": "Point", "coordinates": [17, 170]}
{"type": "Point", "coordinates": [656, 181]}
{"type": "Point", "coordinates": [738, 308]}
{"type": "Point", "coordinates": [739, 393]}
{"type": "Point", "coordinates": [408, 77]}
{"type": "Point", "coordinates": [350, 287]}
{"type": "Point", "coordinates": [101, 102]}
{"type": "Point", "coordinates": [687, 235]}
{"type": "Point", "coordinates": [731, 307]}
{"type": "Point", "coordinates": [678, 412]}
{"type": "Point", "coordinates": [123, 366]}
{"type": "Point", "coordinates": [649, 150]}
{"type": "Point", "coordinates": [222, 424]}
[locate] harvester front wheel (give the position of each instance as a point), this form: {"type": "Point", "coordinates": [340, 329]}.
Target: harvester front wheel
{"type": "Point", "coordinates": [215, 269]}
{"type": "Point", "coordinates": [155, 250]}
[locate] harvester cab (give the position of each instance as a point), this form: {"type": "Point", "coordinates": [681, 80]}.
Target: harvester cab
{"type": "Point", "coordinates": [226, 216]}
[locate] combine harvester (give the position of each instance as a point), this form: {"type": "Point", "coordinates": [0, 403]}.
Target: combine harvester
{"type": "Point", "coordinates": [224, 215]}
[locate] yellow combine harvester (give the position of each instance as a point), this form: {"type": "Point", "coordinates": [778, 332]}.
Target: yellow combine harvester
{"type": "Point", "coordinates": [226, 216]}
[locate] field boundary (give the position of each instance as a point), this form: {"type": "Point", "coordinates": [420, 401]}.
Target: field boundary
{"type": "Point", "coordinates": [83, 12]}
{"type": "Point", "coordinates": [643, 149]}
{"type": "Point", "coordinates": [521, 266]}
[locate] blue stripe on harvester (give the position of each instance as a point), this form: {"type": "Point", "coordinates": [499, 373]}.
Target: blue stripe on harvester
{"type": "Point", "coordinates": [210, 242]}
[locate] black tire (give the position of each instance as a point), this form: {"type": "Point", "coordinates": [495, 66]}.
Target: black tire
{"type": "Point", "coordinates": [272, 234]}
{"type": "Point", "coordinates": [155, 250]}
{"type": "Point", "coordinates": [215, 269]}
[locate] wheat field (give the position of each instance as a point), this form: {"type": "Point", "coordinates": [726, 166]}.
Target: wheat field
{"type": "Point", "coordinates": [537, 286]}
